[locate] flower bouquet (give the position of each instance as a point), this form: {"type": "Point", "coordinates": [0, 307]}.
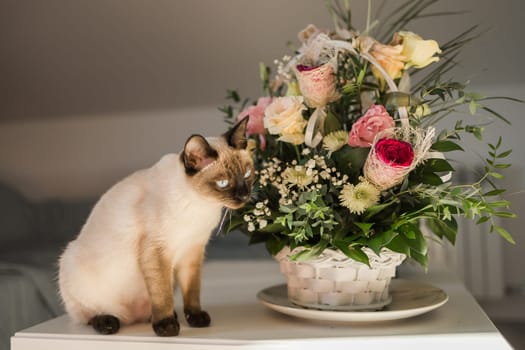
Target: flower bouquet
{"type": "Point", "coordinates": [346, 148]}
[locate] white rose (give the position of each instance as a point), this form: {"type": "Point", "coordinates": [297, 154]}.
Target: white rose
{"type": "Point", "coordinates": [284, 117]}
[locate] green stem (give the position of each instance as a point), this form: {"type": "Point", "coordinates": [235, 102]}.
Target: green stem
{"type": "Point", "coordinates": [368, 16]}
{"type": "Point", "coordinates": [297, 153]}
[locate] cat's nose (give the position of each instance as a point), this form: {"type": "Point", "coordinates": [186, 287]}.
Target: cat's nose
{"type": "Point", "coordinates": [243, 198]}
{"type": "Point", "coordinates": [242, 194]}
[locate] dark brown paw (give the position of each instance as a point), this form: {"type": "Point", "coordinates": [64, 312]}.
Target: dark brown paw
{"type": "Point", "coordinates": [168, 327]}
{"type": "Point", "coordinates": [197, 318]}
{"type": "Point", "coordinates": [105, 324]}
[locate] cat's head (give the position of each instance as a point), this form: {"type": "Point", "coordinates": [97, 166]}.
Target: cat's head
{"type": "Point", "coordinates": [221, 168]}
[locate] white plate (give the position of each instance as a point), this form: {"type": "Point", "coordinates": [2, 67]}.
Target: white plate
{"type": "Point", "coordinates": [409, 298]}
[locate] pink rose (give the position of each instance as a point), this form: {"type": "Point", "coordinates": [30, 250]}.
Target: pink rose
{"type": "Point", "coordinates": [317, 84]}
{"type": "Point", "coordinates": [255, 124]}
{"type": "Point", "coordinates": [364, 130]}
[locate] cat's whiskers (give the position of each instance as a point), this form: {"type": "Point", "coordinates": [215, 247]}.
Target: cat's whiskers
{"type": "Point", "coordinates": [225, 212]}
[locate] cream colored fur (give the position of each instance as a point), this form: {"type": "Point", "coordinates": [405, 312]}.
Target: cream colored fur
{"type": "Point", "coordinates": [100, 271]}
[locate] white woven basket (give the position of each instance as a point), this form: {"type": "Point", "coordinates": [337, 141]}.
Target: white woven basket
{"type": "Point", "coordinates": [333, 281]}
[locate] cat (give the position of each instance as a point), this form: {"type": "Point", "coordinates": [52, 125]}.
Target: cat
{"type": "Point", "coordinates": [150, 229]}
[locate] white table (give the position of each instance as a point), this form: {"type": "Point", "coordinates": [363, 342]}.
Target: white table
{"type": "Point", "coordinates": [239, 321]}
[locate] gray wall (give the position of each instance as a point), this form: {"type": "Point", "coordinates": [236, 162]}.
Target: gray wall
{"type": "Point", "coordinates": [60, 58]}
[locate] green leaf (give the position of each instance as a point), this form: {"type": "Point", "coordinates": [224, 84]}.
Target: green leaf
{"type": "Point", "coordinates": [496, 114]}
{"type": "Point", "coordinates": [500, 204]}
{"type": "Point", "coordinates": [496, 175]}
{"type": "Point", "coordinates": [478, 133]}
{"type": "Point", "coordinates": [380, 240]}
{"type": "Point", "coordinates": [505, 214]}
{"type": "Point", "coordinates": [439, 165]}
{"type": "Point", "coordinates": [495, 192]}
{"type": "Point", "coordinates": [418, 242]}
{"type": "Point", "coordinates": [275, 245]}
{"type": "Point", "coordinates": [472, 107]}
{"type": "Point", "coordinates": [234, 223]}
{"type": "Point", "coordinates": [504, 154]}
{"type": "Point", "coordinates": [505, 234]}
{"type": "Point", "coordinates": [446, 228]}
{"type": "Point", "coordinates": [233, 95]}
{"type": "Point", "coordinates": [365, 227]}
{"type": "Point", "coordinates": [303, 255]}
{"type": "Point", "coordinates": [502, 166]}
{"type": "Point", "coordinates": [431, 179]}
{"type": "Point", "coordinates": [351, 160]}
{"type": "Point", "coordinates": [272, 228]}
{"type": "Point", "coordinates": [422, 259]}
{"type": "Point", "coordinates": [399, 245]}
{"type": "Point", "coordinates": [310, 253]}
{"type": "Point", "coordinates": [354, 253]}
{"type": "Point", "coordinates": [373, 210]}
{"type": "Point", "coordinates": [410, 234]}
{"type": "Point", "coordinates": [500, 139]}
{"type": "Point", "coordinates": [285, 209]}
{"type": "Point", "coordinates": [482, 220]}
{"type": "Point", "coordinates": [331, 123]}
{"type": "Point", "coordinates": [446, 146]}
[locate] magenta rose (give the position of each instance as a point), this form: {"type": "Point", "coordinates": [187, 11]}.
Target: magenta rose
{"type": "Point", "coordinates": [255, 124]}
{"type": "Point", "coordinates": [364, 130]}
{"type": "Point", "coordinates": [394, 152]}
{"type": "Point", "coordinates": [389, 162]}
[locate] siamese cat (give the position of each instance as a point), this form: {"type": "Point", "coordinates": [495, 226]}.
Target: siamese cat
{"type": "Point", "coordinates": [149, 231]}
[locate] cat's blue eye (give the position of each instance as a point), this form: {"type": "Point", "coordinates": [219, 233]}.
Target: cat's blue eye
{"type": "Point", "coordinates": [247, 174]}
{"type": "Point", "coordinates": [222, 183]}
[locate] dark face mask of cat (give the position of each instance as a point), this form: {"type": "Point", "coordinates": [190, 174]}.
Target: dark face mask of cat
{"type": "Point", "coordinates": [235, 189]}
{"type": "Point", "coordinates": [223, 170]}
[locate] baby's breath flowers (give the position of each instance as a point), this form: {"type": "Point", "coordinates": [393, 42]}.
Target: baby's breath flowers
{"type": "Point", "coordinates": [291, 179]}
{"type": "Point", "coordinates": [256, 218]}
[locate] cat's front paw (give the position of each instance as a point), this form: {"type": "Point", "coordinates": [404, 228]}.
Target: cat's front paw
{"type": "Point", "coordinates": [105, 324]}
{"type": "Point", "coordinates": [197, 318]}
{"type": "Point", "coordinates": [167, 327]}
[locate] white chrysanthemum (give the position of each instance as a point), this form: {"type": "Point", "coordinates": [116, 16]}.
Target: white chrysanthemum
{"type": "Point", "coordinates": [359, 197]}
{"type": "Point", "coordinates": [297, 175]}
{"type": "Point", "coordinates": [335, 140]}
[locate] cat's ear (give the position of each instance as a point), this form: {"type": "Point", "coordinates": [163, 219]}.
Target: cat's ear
{"type": "Point", "coordinates": [197, 154]}
{"type": "Point", "coordinates": [236, 136]}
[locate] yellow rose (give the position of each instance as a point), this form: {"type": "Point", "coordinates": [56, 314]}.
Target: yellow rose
{"type": "Point", "coordinates": [390, 57]}
{"type": "Point", "coordinates": [284, 117]}
{"type": "Point", "coordinates": [419, 53]}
